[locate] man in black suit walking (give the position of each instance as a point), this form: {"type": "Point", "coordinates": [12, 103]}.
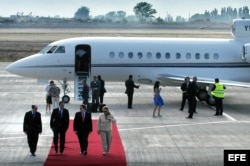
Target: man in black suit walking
{"type": "Point", "coordinates": [184, 88]}
{"type": "Point", "coordinates": [130, 85]}
{"type": "Point", "coordinates": [32, 126]}
{"type": "Point", "coordinates": [192, 93]}
{"type": "Point", "coordinates": [59, 123]}
{"type": "Point", "coordinates": [82, 127]}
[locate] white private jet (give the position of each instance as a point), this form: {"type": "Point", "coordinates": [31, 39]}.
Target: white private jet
{"type": "Point", "coordinates": [167, 60]}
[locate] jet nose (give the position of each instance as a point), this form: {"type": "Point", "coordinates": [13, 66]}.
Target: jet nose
{"type": "Point", "coordinates": [22, 67]}
{"type": "Point", "coordinates": [11, 68]}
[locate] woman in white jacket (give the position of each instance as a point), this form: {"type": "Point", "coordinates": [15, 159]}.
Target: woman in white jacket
{"type": "Point", "coordinates": [104, 127]}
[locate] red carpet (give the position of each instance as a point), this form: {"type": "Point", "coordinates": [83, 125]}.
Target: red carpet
{"type": "Point", "coordinates": [72, 155]}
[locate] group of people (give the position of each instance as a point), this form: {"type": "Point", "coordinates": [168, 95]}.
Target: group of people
{"type": "Point", "coordinates": [190, 92]}
{"type": "Point", "coordinates": [97, 87]}
{"type": "Point", "coordinates": [59, 124]}
{"type": "Point", "coordinates": [157, 99]}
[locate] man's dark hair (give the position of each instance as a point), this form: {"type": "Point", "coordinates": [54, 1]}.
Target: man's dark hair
{"type": "Point", "coordinates": [61, 102]}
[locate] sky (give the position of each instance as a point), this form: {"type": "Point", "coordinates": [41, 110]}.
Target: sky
{"type": "Point", "coordinates": [67, 8]}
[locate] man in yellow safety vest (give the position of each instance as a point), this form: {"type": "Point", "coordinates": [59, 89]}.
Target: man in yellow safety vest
{"type": "Point", "coordinates": [218, 94]}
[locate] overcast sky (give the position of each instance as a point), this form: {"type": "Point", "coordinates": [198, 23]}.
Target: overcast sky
{"type": "Point", "coordinates": [67, 8]}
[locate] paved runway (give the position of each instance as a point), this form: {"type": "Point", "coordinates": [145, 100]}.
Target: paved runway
{"type": "Point", "coordinates": [168, 141]}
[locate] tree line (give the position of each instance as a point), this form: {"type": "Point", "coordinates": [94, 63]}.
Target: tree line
{"type": "Point", "coordinates": [143, 13]}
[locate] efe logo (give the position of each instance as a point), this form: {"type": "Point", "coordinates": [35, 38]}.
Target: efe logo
{"type": "Point", "coordinates": [236, 157]}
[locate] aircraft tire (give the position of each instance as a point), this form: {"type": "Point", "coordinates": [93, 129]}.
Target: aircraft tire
{"type": "Point", "coordinates": [210, 101]}
{"type": "Point", "coordinates": [65, 98]}
{"type": "Point", "coordinates": [202, 95]}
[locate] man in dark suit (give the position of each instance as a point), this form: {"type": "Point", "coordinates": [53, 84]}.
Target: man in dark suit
{"type": "Point", "coordinates": [184, 87]}
{"type": "Point", "coordinates": [82, 127]}
{"type": "Point", "coordinates": [59, 123]}
{"type": "Point", "coordinates": [192, 92]}
{"type": "Point", "coordinates": [130, 85]}
{"type": "Point", "coordinates": [32, 126]}
{"type": "Point", "coordinates": [102, 88]}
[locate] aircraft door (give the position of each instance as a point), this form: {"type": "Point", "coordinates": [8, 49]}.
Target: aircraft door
{"type": "Point", "coordinates": [246, 53]}
{"type": "Point", "coordinates": [82, 59]}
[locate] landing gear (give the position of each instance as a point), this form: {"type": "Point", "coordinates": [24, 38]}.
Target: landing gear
{"type": "Point", "coordinates": [65, 97]}
{"type": "Point", "coordinates": [210, 101]}
{"type": "Point", "coordinates": [203, 95]}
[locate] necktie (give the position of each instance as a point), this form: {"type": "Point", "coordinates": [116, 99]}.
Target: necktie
{"type": "Point", "coordinates": [34, 114]}
{"type": "Point", "coordinates": [61, 113]}
{"type": "Point", "coordinates": [83, 116]}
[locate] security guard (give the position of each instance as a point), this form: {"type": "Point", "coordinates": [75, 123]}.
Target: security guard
{"type": "Point", "coordinates": [218, 94]}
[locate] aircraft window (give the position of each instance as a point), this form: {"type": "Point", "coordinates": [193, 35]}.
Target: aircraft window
{"type": "Point", "coordinates": [149, 55]}
{"type": "Point", "coordinates": [206, 56]}
{"type": "Point", "coordinates": [112, 55]}
{"type": "Point", "coordinates": [167, 55]}
{"type": "Point", "coordinates": [121, 54]}
{"type": "Point", "coordinates": [216, 56]}
{"type": "Point", "coordinates": [158, 55]}
{"type": "Point", "coordinates": [60, 49]}
{"type": "Point", "coordinates": [130, 55]}
{"type": "Point", "coordinates": [45, 49]}
{"type": "Point", "coordinates": [139, 55]}
{"type": "Point", "coordinates": [188, 55]}
{"type": "Point", "coordinates": [178, 55]}
{"type": "Point", "coordinates": [197, 56]}
{"type": "Point", "coordinates": [52, 49]}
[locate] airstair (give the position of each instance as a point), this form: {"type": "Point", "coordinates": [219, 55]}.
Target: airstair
{"type": "Point", "coordinates": [78, 84]}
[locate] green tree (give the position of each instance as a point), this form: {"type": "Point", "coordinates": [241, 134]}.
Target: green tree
{"type": "Point", "coordinates": [144, 11]}
{"type": "Point", "coordinates": [214, 14]}
{"type": "Point", "coordinates": [245, 12]}
{"type": "Point", "coordinates": [82, 13]}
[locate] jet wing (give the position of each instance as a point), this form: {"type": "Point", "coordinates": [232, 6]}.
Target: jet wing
{"type": "Point", "coordinates": [177, 80]}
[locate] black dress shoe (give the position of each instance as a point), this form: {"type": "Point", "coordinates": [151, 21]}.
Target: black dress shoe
{"type": "Point", "coordinates": [85, 153]}
{"type": "Point", "coordinates": [33, 154]}
{"type": "Point", "coordinates": [216, 114]}
{"type": "Point", "coordinates": [181, 109]}
{"type": "Point", "coordinates": [189, 117]}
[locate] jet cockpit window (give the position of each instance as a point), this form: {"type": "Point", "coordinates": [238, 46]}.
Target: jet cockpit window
{"type": "Point", "coordinates": [45, 49]}
{"type": "Point", "coordinates": [52, 49]}
{"type": "Point", "coordinates": [60, 49]}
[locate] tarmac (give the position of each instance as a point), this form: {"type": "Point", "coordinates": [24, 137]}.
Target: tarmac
{"type": "Point", "coordinates": [170, 140]}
